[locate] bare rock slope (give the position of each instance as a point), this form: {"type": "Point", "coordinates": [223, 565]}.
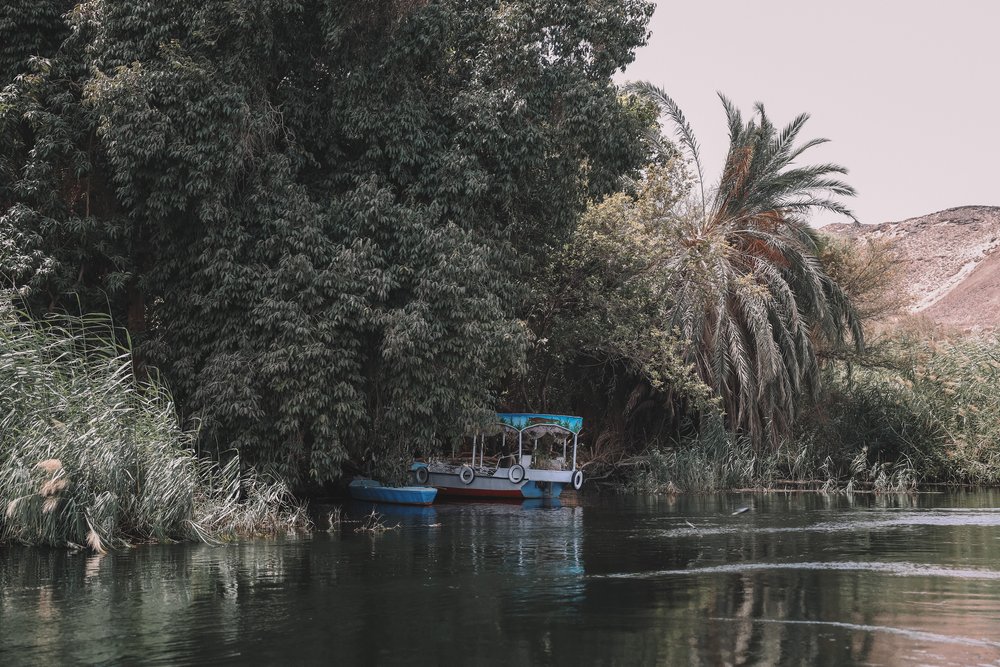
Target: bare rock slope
{"type": "Point", "coordinates": [951, 263]}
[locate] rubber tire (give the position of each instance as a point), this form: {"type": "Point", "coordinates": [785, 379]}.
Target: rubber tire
{"type": "Point", "coordinates": [516, 473]}
{"type": "Point", "coordinates": [421, 474]}
{"type": "Point", "coordinates": [577, 480]}
{"type": "Point", "coordinates": [466, 471]}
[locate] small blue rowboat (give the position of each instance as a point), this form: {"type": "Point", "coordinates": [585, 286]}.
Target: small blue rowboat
{"type": "Point", "coordinates": [373, 492]}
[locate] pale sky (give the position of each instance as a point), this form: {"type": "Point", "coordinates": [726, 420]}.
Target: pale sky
{"type": "Point", "coordinates": [908, 91]}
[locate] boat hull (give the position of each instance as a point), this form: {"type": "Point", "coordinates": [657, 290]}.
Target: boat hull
{"type": "Point", "coordinates": [449, 483]}
{"type": "Point", "coordinates": [370, 491]}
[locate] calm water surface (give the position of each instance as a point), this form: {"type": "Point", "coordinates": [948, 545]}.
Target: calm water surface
{"type": "Point", "coordinates": [798, 579]}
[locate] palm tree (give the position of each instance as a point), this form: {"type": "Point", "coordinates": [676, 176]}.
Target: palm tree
{"type": "Point", "coordinates": [749, 293]}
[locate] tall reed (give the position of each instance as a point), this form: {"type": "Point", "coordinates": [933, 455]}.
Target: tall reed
{"type": "Point", "coordinates": [714, 459]}
{"type": "Point", "coordinates": [934, 403]}
{"type": "Point", "coordinates": [709, 459]}
{"type": "Point", "coordinates": [89, 456]}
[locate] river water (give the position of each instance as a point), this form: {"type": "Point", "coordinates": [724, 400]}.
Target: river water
{"type": "Point", "coordinates": [796, 579]}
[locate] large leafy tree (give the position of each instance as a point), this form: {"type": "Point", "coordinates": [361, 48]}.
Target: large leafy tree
{"type": "Point", "coordinates": [311, 215]}
{"type": "Point", "coordinates": [601, 313]}
{"type": "Point", "coordinates": [749, 293]}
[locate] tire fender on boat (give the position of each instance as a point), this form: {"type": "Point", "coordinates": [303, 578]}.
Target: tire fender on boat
{"type": "Point", "coordinates": [577, 480]}
{"type": "Point", "coordinates": [466, 474]}
{"type": "Point", "coordinates": [516, 473]}
{"type": "Point", "coordinates": [421, 474]}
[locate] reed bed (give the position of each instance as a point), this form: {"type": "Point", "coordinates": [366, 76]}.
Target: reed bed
{"type": "Point", "coordinates": [695, 465]}
{"type": "Point", "coordinates": [710, 460]}
{"type": "Point", "coordinates": [932, 403]}
{"type": "Point", "coordinates": [92, 458]}
{"type": "Point", "coordinates": [915, 412]}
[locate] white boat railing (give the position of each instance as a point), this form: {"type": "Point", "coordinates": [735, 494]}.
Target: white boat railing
{"type": "Point", "coordinates": [480, 462]}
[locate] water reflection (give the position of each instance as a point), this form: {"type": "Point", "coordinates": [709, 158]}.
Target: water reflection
{"type": "Point", "coordinates": [824, 580]}
{"type": "Point", "coordinates": [389, 514]}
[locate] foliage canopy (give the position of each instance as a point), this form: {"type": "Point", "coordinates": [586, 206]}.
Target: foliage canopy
{"type": "Point", "coordinates": [311, 215]}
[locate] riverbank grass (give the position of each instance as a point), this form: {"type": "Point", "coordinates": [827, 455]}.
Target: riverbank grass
{"type": "Point", "coordinates": [92, 458]}
{"type": "Point", "coordinates": [914, 412]}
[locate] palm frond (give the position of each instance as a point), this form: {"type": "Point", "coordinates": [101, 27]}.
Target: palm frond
{"type": "Point", "coordinates": [683, 129]}
{"type": "Point", "coordinates": [755, 340]}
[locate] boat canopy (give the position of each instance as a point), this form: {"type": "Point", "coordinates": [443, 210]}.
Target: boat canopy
{"type": "Point", "coordinates": [537, 425]}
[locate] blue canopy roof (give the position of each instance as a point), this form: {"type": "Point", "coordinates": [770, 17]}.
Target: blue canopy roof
{"type": "Point", "coordinates": [520, 421]}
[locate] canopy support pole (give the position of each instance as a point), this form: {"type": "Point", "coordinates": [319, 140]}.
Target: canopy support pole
{"type": "Point", "coordinates": [574, 451]}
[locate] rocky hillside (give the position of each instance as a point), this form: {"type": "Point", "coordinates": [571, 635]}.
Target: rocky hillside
{"type": "Point", "coordinates": [951, 263]}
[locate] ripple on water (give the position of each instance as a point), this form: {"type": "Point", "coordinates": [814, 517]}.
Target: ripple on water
{"type": "Point", "coordinates": [904, 519]}
{"type": "Point", "coordinates": [894, 569]}
{"type": "Point", "coordinates": [918, 635]}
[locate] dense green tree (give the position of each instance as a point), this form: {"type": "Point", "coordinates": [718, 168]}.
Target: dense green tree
{"type": "Point", "coordinates": [312, 216]}
{"type": "Point", "coordinates": [29, 29]}
{"type": "Point", "coordinates": [603, 345]}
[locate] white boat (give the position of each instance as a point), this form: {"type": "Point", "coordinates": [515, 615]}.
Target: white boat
{"type": "Point", "coordinates": [541, 466]}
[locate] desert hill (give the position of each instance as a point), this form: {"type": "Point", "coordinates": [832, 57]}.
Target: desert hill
{"type": "Point", "coordinates": [951, 266]}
